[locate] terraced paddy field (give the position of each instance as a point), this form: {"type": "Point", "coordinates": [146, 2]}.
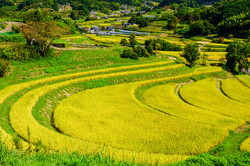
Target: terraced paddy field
{"type": "Point", "coordinates": [132, 113]}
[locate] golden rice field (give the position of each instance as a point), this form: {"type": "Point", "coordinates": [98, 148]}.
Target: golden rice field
{"type": "Point", "coordinates": [215, 55]}
{"type": "Point", "coordinates": [236, 90]}
{"type": "Point", "coordinates": [218, 45]}
{"type": "Point", "coordinates": [160, 127]}
{"type": "Point", "coordinates": [164, 98]}
{"type": "Point", "coordinates": [244, 79]}
{"type": "Point", "coordinates": [173, 53]}
{"type": "Point", "coordinates": [205, 94]}
{"type": "Point", "coordinates": [105, 39]}
{"type": "Point", "coordinates": [245, 146]}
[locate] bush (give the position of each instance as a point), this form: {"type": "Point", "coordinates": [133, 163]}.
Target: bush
{"type": "Point", "coordinates": [4, 65]}
{"type": "Point", "coordinates": [191, 54]}
{"type": "Point", "coordinates": [124, 42]}
{"type": "Point", "coordinates": [221, 39]}
{"type": "Point", "coordinates": [19, 52]}
{"type": "Point", "coordinates": [3, 26]}
{"type": "Point", "coordinates": [15, 29]}
{"type": "Point", "coordinates": [201, 28]}
{"type": "Point", "coordinates": [141, 52]}
{"type": "Point", "coordinates": [162, 45]}
{"type": "Point", "coordinates": [230, 36]}
{"type": "Point", "coordinates": [12, 38]}
{"type": "Point", "coordinates": [128, 53]}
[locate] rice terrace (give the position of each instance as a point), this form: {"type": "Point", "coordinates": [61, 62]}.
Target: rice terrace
{"type": "Point", "coordinates": [124, 82]}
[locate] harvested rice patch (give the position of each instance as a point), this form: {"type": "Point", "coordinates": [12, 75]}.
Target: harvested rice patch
{"type": "Point", "coordinates": [205, 94]}
{"type": "Point", "coordinates": [235, 90]}
{"type": "Point", "coordinates": [164, 98]}
{"type": "Point", "coordinates": [116, 119]}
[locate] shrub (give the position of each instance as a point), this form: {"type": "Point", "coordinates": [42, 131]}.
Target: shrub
{"type": "Point", "coordinates": [237, 56]}
{"type": "Point", "coordinates": [124, 42]}
{"type": "Point", "coordinates": [201, 28]}
{"type": "Point", "coordinates": [230, 36]}
{"type": "Point", "coordinates": [16, 29]}
{"type": "Point", "coordinates": [4, 65]}
{"type": "Point", "coordinates": [172, 22]}
{"type": "Point", "coordinates": [221, 39]}
{"type": "Point", "coordinates": [191, 54]}
{"type": "Point", "coordinates": [12, 38]}
{"type": "Point", "coordinates": [3, 26]}
{"type": "Point", "coordinates": [141, 52]}
{"type": "Point", "coordinates": [162, 45]}
{"type": "Point", "coordinates": [128, 53]}
{"type": "Point", "coordinates": [19, 52]}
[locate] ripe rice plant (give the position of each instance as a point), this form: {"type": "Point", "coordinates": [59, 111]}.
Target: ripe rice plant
{"type": "Point", "coordinates": [131, 125]}
{"type": "Point", "coordinates": [164, 98]}
{"type": "Point", "coordinates": [10, 143]}
{"type": "Point", "coordinates": [216, 45]}
{"type": "Point", "coordinates": [245, 79]}
{"type": "Point", "coordinates": [205, 94]}
{"type": "Point", "coordinates": [245, 146]}
{"type": "Point", "coordinates": [21, 119]}
{"type": "Point", "coordinates": [173, 53]}
{"type": "Point", "coordinates": [215, 55]}
{"type": "Point", "coordinates": [235, 90]}
{"type": "Point", "coordinates": [15, 88]}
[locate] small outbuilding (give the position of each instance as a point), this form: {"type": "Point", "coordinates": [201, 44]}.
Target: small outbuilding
{"type": "Point", "coordinates": [110, 28]}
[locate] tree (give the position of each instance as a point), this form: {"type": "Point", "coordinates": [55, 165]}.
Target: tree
{"type": "Point", "coordinates": [39, 15]}
{"type": "Point", "coordinates": [201, 28]}
{"type": "Point", "coordinates": [191, 54]}
{"type": "Point", "coordinates": [41, 33]}
{"type": "Point", "coordinates": [141, 52]}
{"type": "Point", "coordinates": [172, 22]}
{"type": "Point", "coordinates": [237, 56]}
{"type": "Point", "coordinates": [4, 65]}
{"type": "Point", "coordinates": [128, 53]}
{"type": "Point", "coordinates": [132, 40]}
{"type": "Point", "coordinates": [124, 42]}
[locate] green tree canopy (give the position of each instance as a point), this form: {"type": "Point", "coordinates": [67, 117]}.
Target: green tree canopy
{"type": "Point", "coordinates": [237, 56]}
{"type": "Point", "coordinates": [191, 54]}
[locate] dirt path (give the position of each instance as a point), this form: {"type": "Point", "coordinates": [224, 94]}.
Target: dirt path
{"type": "Point", "coordinates": [72, 48]}
{"type": "Point", "coordinates": [203, 44]}
{"type": "Point", "coordinates": [8, 27]}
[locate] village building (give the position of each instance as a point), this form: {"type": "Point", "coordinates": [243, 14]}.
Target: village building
{"type": "Point", "coordinates": [95, 30]}
{"type": "Point", "coordinates": [65, 7]}
{"type": "Point", "coordinates": [110, 28]}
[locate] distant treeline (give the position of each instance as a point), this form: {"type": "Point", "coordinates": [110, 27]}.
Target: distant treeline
{"type": "Point", "coordinates": [189, 3]}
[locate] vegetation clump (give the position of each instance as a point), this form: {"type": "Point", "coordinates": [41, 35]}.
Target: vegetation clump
{"type": "Point", "coordinates": [191, 54]}
{"type": "Point", "coordinates": [4, 65]}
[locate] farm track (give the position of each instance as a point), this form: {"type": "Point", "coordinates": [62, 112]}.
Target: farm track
{"type": "Point", "coordinates": [9, 26]}
{"type": "Point", "coordinates": [29, 129]}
